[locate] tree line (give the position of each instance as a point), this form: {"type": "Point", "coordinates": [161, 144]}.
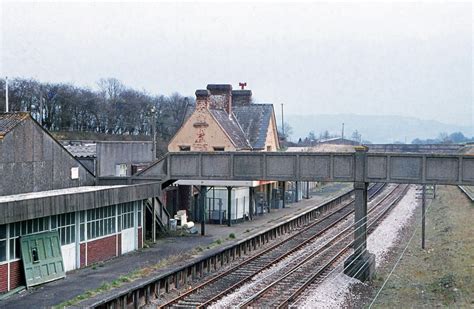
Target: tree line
{"type": "Point", "coordinates": [112, 108]}
{"type": "Point", "coordinates": [445, 138]}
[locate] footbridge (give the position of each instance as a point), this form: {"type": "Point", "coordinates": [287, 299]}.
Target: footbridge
{"type": "Point", "coordinates": [360, 167]}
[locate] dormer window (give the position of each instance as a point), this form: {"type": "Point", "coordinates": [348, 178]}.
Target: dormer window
{"type": "Point", "coordinates": [218, 148]}
{"type": "Point", "coordinates": [184, 148]}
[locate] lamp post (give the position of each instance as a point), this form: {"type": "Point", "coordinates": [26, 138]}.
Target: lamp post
{"type": "Point", "coordinates": [6, 95]}
{"type": "Point", "coordinates": [153, 131]}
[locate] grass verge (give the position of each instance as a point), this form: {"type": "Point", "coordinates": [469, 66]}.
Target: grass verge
{"type": "Point", "coordinates": [442, 275]}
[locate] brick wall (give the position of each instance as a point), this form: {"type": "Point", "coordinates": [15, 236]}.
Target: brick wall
{"type": "Point", "coordinates": [140, 242]}
{"type": "Point", "coordinates": [83, 255]}
{"type": "Point", "coordinates": [119, 244]}
{"type": "Point", "coordinates": [3, 278]}
{"type": "Point", "coordinates": [17, 276]}
{"type": "Point", "coordinates": [101, 249]}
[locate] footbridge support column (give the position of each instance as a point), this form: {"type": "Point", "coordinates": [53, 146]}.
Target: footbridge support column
{"type": "Point", "coordinates": [361, 265]}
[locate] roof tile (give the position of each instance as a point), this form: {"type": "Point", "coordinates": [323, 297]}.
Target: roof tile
{"type": "Point", "coordinates": [231, 127]}
{"type": "Point", "coordinates": [254, 120]}
{"type": "Point", "coordinates": [8, 121]}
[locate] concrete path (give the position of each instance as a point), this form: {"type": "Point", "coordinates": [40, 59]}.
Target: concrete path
{"type": "Point", "coordinates": [168, 252]}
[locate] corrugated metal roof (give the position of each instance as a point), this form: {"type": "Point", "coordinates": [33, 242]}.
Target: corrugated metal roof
{"type": "Point", "coordinates": [254, 120]}
{"type": "Point", "coordinates": [83, 150]}
{"type": "Point", "coordinates": [8, 121]}
{"type": "Point", "coordinates": [232, 128]}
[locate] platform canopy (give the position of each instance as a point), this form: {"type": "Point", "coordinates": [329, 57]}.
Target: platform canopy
{"type": "Point", "coordinates": [32, 205]}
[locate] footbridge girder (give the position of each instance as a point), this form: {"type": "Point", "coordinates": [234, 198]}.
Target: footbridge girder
{"type": "Point", "coordinates": [415, 168]}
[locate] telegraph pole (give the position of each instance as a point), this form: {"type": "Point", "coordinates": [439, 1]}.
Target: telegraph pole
{"type": "Point", "coordinates": [423, 214]}
{"type": "Point", "coordinates": [342, 135]}
{"type": "Point", "coordinates": [153, 129]}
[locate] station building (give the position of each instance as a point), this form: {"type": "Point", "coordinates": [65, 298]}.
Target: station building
{"type": "Point", "coordinates": [227, 120]}
{"type": "Point", "coordinates": [53, 216]}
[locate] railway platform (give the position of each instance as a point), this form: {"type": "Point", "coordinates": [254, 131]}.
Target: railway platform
{"type": "Point", "coordinates": [159, 258]}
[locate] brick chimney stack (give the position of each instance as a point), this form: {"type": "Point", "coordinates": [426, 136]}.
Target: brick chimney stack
{"type": "Point", "coordinates": [221, 97]}
{"type": "Point", "coordinates": [241, 97]}
{"type": "Point", "coordinates": [202, 99]}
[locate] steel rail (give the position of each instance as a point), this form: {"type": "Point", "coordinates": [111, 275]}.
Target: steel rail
{"type": "Point", "coordinates": [371, 226]}
{"type": "Point", "coordinates": [276, 260]}
{"type": "Point", "coordinates": [323, 250]}
{"type": "Point", "coordinates": [376, 188]}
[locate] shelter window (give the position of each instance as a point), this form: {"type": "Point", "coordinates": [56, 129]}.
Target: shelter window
{"type": "Point", "coordinates": [139, 215]}
{"type": "Point", "coordinates": [184, 148]}
{"type": "Point", "coordinates": [3, 243]}
{"type": "Point", "coordinates": [126, 211]}
{"type": "Point", "coordinates": [100, 222]}
{"type": "Point", "coordinates": [66, 225]}
{"type": "Point", "coordinates": [24, 228]}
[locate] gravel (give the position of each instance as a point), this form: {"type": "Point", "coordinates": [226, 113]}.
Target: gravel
{"type": "Point", "coordinates": [386, 234]}
{"type": "Point", "coordinates": [334, 291]}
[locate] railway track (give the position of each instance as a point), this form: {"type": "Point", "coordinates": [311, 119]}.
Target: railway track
{"type": "Point", "coordinates": [283, 288]}
{"type": "Point", "coordinates": [221, 284]}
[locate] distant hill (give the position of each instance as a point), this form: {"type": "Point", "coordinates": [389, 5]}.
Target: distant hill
{"type": "Point", "coordinates": [377, 129]}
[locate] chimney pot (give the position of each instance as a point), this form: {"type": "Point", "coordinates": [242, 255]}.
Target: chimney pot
{"type": "Point", "coordinates": [241, 97]}
{"type": "Point", "coordinates": [202, 93]}
{"type": "Point", "coordinates": [221, 97]}
{"type": "Point", "coordinates": [202, 99]}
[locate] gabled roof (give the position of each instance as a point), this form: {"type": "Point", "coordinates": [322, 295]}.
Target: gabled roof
{"type": "Point", "coordinates": [8, 121]}
{"type": "Point", "coordinates": [232, 128]}
{"type": "Point", "coordinates": [254, 120]}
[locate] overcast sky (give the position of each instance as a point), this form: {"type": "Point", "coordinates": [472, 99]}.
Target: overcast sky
{"type": "Point", "coordinates": [410, 59]}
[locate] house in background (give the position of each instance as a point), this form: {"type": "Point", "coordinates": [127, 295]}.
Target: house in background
{"type": "Point", "coordinates": [54, 218]}
{"type": "Point", "coordinates": [227, 120]}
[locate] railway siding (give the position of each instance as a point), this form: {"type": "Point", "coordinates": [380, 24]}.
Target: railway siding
{"type": "Point", "coordinates": [142, 292]}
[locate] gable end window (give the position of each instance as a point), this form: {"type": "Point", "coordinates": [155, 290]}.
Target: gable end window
{"type": "Point", "coordinates": [184, 148]}
{"type": "Point", "coordinates": [218, 148]}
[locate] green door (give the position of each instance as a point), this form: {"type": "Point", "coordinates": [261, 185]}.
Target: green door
{"type": "Point", "coordinates": [42, 259]}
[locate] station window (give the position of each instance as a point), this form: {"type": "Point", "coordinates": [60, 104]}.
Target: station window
{"type": "Point", "coordinates": [3, 243]}
{"type": "Point", "coordinates": [66, 225]}
{"type": "Point", "coordinates": [126, 215]}
{"type": "Point", "coordinates": [184, 148]}
{"type": "Point", "coordinates": [82, 225]}
{"type": "Point", "coordinates": [100, 222]}
{"type": "Point", "coordinates": [23, 228]}
{"type": "Point", "coordinates": [139, 215]}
